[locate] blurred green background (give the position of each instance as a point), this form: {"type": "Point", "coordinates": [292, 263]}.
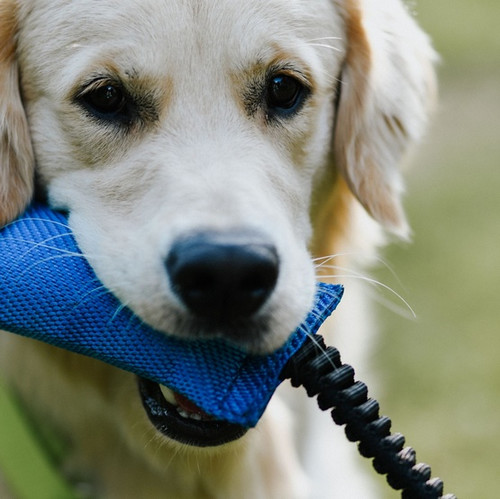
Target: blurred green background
{"type": "Point", "coordinates": [440, 373]}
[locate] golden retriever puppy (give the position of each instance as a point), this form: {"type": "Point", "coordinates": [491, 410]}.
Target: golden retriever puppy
{"type": "Point", "coordinates": [206, 152]}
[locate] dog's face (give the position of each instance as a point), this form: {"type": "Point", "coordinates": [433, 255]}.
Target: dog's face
{"type": "Point", "coordinates": [173, 127]}
{"type": "Point", "coordinates": [191, 142]}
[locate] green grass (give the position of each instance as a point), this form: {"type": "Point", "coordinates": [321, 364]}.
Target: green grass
{"type": "Point", "coordinates": [28, 472]}
{"type": "Point", "coordinates": [440, 374]}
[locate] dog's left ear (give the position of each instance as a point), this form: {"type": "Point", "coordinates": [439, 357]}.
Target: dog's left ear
{"type": "Point", "coordinates": [388, 85]}
{"type": "Point", "coordinates": [16, 153]}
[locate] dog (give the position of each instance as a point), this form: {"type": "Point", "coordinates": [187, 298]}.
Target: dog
{"type": "Point", "coordinates": [214, 159]}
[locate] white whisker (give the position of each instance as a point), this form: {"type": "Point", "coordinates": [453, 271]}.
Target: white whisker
{"type": "Point", "coordinates": [69, 254]}
{"type": "Point", "coordinates": [315, 340]}
{"type": "Point", "coordinates": [117, 312]}
{"type": "Point", "coordinates": [44, 244]}
{"type": "Point", "coordinates": [37, 219]}
{"type": "Point", "coordinates": [325, 45]}
{"type": "Point", "coordinates": [324, 38]}
{"type": "Point", "coordinates": [401, 311]}
{"type": "Point", "coordinates": [322, 264]}
{"type": "Point", "coordinates": [328, 258]}
{"type": "Point", "coordinates": [91, 295]}
{"type": "Point", "coordinates": [374, 282]}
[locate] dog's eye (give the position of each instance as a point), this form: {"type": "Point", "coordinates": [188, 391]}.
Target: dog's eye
{"type": "Point", "coordinates": [106, 99]}
{"type": "Point", "coordinates": [285, 94]}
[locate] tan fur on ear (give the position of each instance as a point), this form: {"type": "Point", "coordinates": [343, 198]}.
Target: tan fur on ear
{"type": "Point", "coordinates": [16, 153]}
{"type": "Point", "coordinates": [388, 84]}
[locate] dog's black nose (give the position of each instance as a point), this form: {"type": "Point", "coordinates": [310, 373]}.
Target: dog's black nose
{"type": "Point", "coordinates": [221, 276]}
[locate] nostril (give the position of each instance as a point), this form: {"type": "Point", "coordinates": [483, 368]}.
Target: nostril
{"type": "Point", "coordinates": [223, 277]}
{"type": "Point", "coordinates": [260, 278]}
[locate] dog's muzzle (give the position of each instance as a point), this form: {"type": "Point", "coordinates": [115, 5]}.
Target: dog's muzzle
{"type": "Point", "coordinates": [215, 389]}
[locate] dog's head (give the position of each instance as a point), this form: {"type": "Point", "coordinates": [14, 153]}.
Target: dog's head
{"type": "Point", "coordinates": [202, 147]}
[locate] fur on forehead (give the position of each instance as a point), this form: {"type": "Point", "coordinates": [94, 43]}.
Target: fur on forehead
{"type": "Point", "coordinates": [198, 26]}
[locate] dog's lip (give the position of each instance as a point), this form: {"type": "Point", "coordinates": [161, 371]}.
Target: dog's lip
{"type": "Point", "coordinates": [180, 419]}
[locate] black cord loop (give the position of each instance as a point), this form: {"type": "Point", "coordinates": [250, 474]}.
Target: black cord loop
{"type": "Point", "coordinates": [319, 369]}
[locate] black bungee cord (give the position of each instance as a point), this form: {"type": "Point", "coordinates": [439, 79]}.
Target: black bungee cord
{"type": "Point", "coordinates": [319, 370]}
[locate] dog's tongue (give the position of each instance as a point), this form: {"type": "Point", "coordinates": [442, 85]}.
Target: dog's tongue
{"type": "Point", "coordinates": [47, 292]}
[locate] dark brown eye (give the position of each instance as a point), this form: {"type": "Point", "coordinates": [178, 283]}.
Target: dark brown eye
{"type": "Point", "coordinates": [285, 94]}
{"type": "Point", "coordinates": [106, 99]}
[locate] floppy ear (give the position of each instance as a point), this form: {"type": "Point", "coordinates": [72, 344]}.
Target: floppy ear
{"type": "Point", "coordinates": [387, 87]}
{"type": "Point", "coordinates": [16, 153]}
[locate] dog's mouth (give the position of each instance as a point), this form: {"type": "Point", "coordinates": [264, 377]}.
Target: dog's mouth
{"type": "Point", "coordinates": [178, 418]}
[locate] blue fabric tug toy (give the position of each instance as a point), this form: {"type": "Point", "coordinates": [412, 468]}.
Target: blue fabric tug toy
{"type": "Point", "coordinates": [48, 292]}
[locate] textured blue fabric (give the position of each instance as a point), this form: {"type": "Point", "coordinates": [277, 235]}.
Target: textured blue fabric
{"type": "Point", "coordinates": [49, 292]}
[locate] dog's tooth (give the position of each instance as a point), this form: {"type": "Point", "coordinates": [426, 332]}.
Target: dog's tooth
{"type": "Point", "coordinates": [170, 398]}
{"type": "Point", "coordinates": [169, 395]}
{"type": "Point", "coordinates": [188, 415]}
{"type": "Point", "coordinates": [183, 413]}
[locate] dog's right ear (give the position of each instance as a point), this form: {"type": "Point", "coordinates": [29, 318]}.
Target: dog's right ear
{"type": "Point", "coordinates": [16, 152]}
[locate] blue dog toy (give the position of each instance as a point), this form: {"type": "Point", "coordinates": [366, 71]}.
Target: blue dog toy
{"type": "Point", "coordinates": [48, 292]}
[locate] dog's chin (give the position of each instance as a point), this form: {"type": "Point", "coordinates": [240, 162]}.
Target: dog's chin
{"type": "Point", "coordinates": [179, 419]}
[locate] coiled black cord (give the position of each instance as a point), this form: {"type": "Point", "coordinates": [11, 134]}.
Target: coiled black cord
{"type": "Point", "coordinates": [319, 369]}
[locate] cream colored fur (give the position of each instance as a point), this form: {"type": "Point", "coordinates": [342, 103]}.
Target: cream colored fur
{"type": "Point", "coordinates": [199, 159]}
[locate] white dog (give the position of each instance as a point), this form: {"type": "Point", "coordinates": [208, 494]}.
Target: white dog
{"type": "Point", "coordinates": [206, 151]}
